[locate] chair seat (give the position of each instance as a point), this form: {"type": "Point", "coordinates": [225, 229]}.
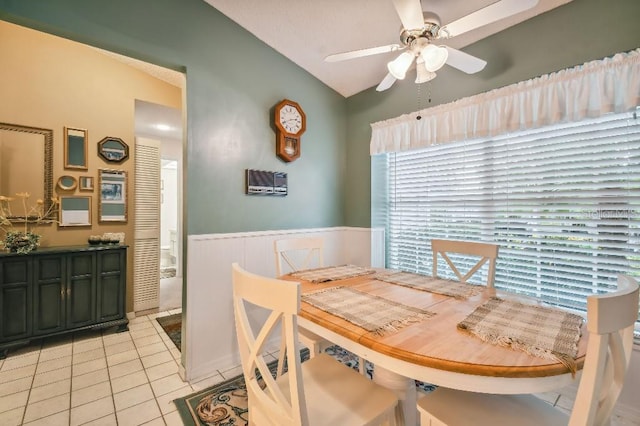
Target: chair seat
{"type": "Point", "coordinates": [337, 395]}
{"type": "Point", "coordinates": [453, 407]}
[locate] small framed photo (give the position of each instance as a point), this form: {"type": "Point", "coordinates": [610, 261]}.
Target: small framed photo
{"type": "Point", "coordinates": [86, 183]}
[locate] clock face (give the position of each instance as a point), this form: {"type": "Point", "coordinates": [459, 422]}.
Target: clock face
{"type": "Point", "coordinates": [290, 119]}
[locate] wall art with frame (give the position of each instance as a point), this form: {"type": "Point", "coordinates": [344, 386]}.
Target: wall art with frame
{"type": "Point", "coordinates": [113, 195]}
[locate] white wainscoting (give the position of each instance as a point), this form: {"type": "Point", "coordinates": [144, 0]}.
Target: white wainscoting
{"type": "Point", "coordinates": [209, 324]}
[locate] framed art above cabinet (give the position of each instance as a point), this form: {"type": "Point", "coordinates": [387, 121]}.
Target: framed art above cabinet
{"type": "Point", "coordinates": [75, 148]}
{"type": "Point", "coordinates": [67, 183]}
{"type": "Point", "coordinates": [113, 196]}
{"type": "Point", "coordinates": [32, 146]}
{"type": "Point", "coordinates": [113, 150]}
{"type": "Point", "coordinates": [75, 211]}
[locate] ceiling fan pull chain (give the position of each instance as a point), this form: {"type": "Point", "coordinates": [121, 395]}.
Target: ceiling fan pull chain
{"type": "Point", "coordinates": [418, 117]}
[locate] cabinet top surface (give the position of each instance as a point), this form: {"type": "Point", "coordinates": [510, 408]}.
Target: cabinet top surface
{"type": "Point", "coordinates": [65, 249]}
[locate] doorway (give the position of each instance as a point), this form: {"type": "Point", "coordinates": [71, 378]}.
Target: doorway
{"type": "Point", "coordinates": [164, 125]}
{"type": "Point", "coordinates": [170, 278]}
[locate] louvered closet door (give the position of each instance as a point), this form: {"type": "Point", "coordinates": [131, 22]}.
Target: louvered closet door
{"type": "Point", "coordinates": [146, 264]}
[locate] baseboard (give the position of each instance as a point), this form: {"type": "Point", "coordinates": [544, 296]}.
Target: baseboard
{"type": "Point", "coordinates": [212, 367]}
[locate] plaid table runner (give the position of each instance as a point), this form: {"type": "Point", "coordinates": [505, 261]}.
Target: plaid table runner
{"type": "Point", "coordinates": [332, 273]}
{"type": "Point", "coordinates": [373, 313]}
{"type": "Point", "coordinates": [434, 285]}
{"type": "Point", "coordinates": [537, 330]}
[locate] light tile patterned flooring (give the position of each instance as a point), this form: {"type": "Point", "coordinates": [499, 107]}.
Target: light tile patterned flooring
{"type": "Point", "coordinates": [129, 378]}
{"type": "Point", "coordinates": [97, 378]}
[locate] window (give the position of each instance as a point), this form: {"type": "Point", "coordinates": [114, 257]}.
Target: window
{"type": "Point", "coordinates": [563, 203]}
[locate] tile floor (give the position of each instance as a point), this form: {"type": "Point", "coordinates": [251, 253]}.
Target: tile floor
{"type": "Point", "coordinates": [129, 378]}
{"type": "Point", "coordinates": [97, 378]}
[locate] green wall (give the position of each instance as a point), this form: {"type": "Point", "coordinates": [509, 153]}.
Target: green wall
{"type": "Point", "coordinates": [570, 35]}
{"type": "Point", "coordinates": [233, 82]}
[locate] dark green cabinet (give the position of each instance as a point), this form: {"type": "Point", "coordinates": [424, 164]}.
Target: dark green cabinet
{"type": "Point", "coordinates": [59, 290]}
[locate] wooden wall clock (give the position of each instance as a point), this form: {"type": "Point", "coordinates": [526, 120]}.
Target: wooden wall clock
{"type": "Point", "coordinates": [290, 122]}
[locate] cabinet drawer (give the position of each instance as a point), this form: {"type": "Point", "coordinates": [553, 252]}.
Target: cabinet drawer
{"type": "Point", "coordinates": [110, 261]}
{"type": "Point", "coordinates": [15, 272]}
{"type": "Point", "coordinates": [81, 264]}
{"type": "Point", "coordinates": [49, 268]}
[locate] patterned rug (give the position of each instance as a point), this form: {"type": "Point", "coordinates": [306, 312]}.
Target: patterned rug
{"type": "Point", "coordinates": [172, 325]}
{"type": "Point", "coordinates": [169, 272]}
{"type": "Point", "coordinates": [225, 404]}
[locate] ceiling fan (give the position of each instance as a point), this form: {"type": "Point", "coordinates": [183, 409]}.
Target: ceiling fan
{"type": "Point", "coordinates": [418, 36]}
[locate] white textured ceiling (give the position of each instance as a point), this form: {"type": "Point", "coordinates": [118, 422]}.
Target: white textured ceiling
{"type": "Point", "coordinates": [306, 31]}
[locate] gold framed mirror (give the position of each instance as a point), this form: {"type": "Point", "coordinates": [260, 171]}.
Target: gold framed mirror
{"type": "Point", "coordinates": [75, 148]}
{"type": "Point", "coordinates": [114, 150]}
{"type": "Point", "coordinates": [26, 161]}
{"type": "Point", "coordinates": [67, 183]}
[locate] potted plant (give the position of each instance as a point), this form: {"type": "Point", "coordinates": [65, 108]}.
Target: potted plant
{"type": "Point", "coordinates": [20, 236]}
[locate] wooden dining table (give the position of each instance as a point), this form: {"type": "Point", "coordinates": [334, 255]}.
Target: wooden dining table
{"type": "Point", "coordinates": [434, 350]}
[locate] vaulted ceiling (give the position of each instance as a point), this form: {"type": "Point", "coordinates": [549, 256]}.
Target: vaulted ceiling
{"type": "Point", "coordinates": [306, 31]}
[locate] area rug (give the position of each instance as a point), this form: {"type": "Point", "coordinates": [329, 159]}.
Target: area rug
{"type": "Point", "coordinates": [225, 404]}
{"type": "Point", "coordinates": [169, 272]}
{"type": "Point", "coordinates": [172, 325]}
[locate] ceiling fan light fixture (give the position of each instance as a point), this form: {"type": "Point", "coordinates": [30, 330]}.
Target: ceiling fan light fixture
{"type": "Point", "coordinates": [399, 66]}
{"type": "Point", "coordinates": [423, 74]}
{"type": "Point", "coordinates": [434, 57]}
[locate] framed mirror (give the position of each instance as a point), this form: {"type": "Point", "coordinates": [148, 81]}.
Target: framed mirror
{"type": "Point", "coordinates": [113, 150]}
{"type": "Point", "coordinates": [67, 183]}
{"type": "Point", "coordinates": [86, 183]}
{"type": "Point", "coordinates": [75, 211]}
{"type": "Point", "coordinates": [20, 145]}
{"type": "Point", "coordinates": [75, 148]}
{"type": "Point", "coordinates": [113, 195]}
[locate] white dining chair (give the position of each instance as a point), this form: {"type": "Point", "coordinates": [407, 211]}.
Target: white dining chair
{"type": "Point", "coordinates": [298, 254]}
{"type": "Point", "coordinates": [487, 252]}
{"type": "Point", "coordinates": [610, 321]}
{"type": "Point", "coordinates": [320, 391]}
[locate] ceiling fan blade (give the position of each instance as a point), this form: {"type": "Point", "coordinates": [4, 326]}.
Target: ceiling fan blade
{"type": "Point", "coordinates": [363, 52]}
{"type": "Point", "coordinates": [464, 62]}
{"type": "Point", "coordinates": [386, 82]}
{"type": "Point", "coordinates": [410, 13]}
{"type": "Point", "coordinates": [492, 13]}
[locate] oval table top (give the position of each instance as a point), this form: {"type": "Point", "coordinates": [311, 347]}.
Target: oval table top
{"type": "Point", "coordinates": [422, 349]}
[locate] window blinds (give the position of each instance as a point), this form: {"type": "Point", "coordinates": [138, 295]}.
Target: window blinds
{"type": "Point", "coordinates": [563, 203]}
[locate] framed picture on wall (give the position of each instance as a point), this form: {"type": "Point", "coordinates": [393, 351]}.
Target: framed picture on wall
{"type": "Point", "coordinates": [75, 148]}
{"type": "Point", "coordinates": [113, 150]}
{"type": "Point", "coordinates": [86, 183]}
{"type": "Point", "coordinates": [75, 211]}
{"type": "Point", "coordinates": [113, 195]}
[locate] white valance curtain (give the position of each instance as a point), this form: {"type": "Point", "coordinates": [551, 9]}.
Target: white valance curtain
{"type": "Point", "coordinates": [589, 90]}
